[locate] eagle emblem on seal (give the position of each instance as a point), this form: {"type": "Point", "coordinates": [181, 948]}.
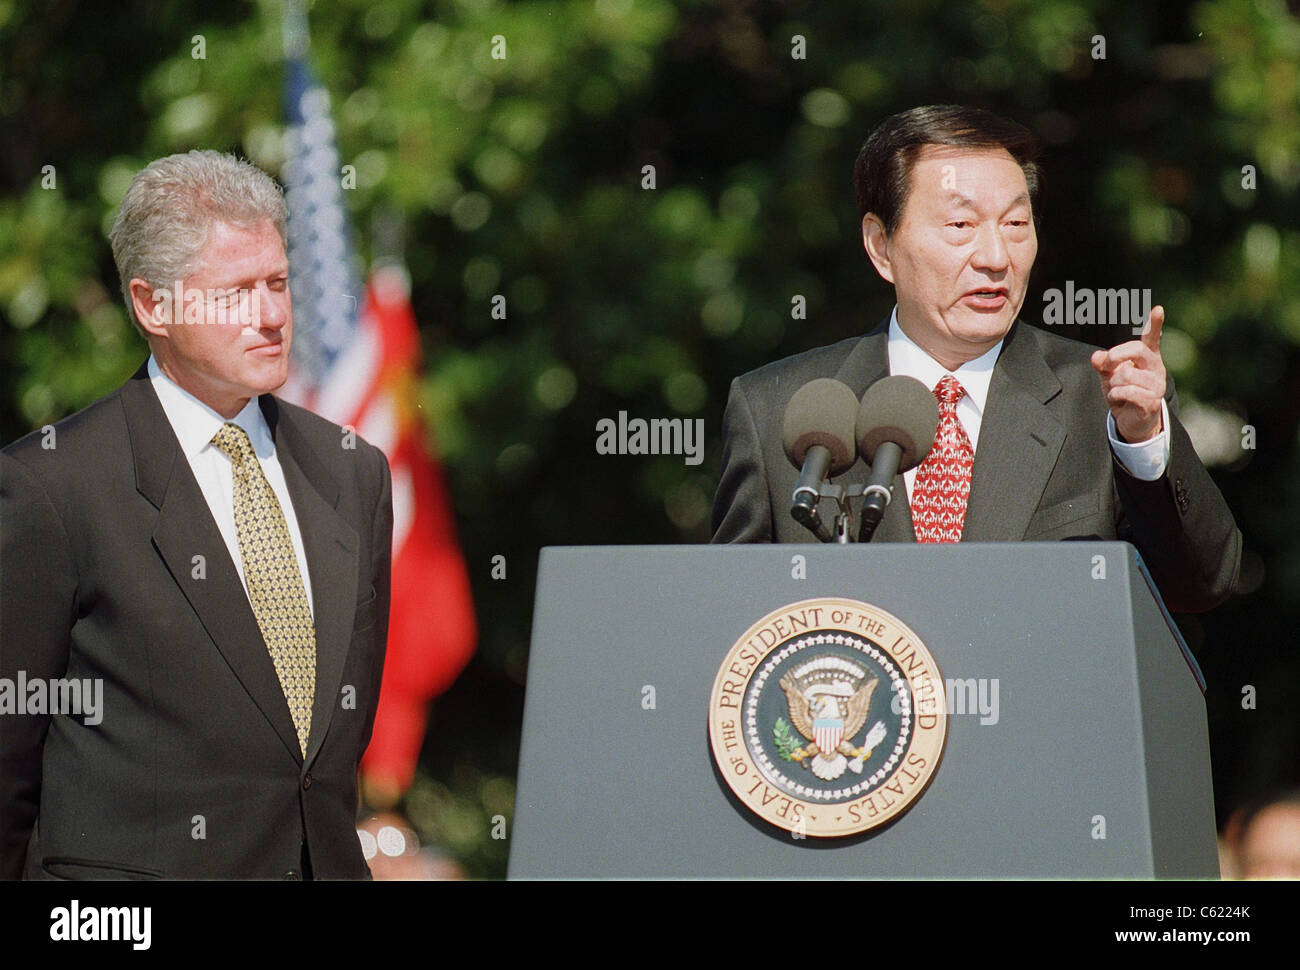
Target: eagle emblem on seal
{"type": "Point", "coordinates": [829, 699]}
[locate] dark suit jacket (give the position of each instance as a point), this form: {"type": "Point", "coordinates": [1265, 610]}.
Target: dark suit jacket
{"type": "Point", "coordinates": [99, 579]}
{"type": "Point", "coordinates": [1044, 469]}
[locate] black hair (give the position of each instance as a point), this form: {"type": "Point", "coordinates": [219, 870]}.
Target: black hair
{"type": "Point", "coordinates": [883, 169]}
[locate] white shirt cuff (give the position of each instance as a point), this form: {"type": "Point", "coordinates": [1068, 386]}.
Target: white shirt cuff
{"type": "Point", "coordinates": [1148, 460]}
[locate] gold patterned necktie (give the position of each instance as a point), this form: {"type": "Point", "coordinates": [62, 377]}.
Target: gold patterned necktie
{"type": "Point", "coordinates": [275, 585]}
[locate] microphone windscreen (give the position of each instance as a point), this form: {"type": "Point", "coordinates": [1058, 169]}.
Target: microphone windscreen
{"type": "Point", "coordinates": [822, 412]}
{"type": "Point", "coordinates": [898, 409]}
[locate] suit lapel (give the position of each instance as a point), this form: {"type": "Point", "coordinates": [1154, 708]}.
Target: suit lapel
{"type": "Point", "coordinates": [185, 528]}
{"type": "Point", "coordinates": [1019, 440]}
{"type": "Point", "coordinates": [1018, 445]}
{"type": "Point", "coordinates": [331, 546]}
{"type": "Point", "coordinates": [867, 363]}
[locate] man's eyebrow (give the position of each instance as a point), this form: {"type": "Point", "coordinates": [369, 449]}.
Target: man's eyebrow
{"type": "Point", "coordinates": [274, 274]}
{"type": "Point", "coordinates": [958, 201]}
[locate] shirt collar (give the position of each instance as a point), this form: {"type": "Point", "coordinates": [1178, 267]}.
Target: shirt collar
{"type": "Point", "coordinates": [906, 357]}
{"type": "Point", "coordinates": [195, 423]}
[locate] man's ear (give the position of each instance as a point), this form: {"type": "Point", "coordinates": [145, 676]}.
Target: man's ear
{"type": "Point", "coordinates": [152, 308]}
{"type": "Point", "coordinates": [876, 242]}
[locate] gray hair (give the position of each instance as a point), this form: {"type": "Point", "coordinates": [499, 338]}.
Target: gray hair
{"type": "Point", "coordinates": [163, 223]}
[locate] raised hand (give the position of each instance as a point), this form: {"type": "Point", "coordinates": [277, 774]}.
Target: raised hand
{"type": "Point", "coordinates": [1133, 380]}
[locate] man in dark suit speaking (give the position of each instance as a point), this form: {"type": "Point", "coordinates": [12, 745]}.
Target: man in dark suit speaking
{"type": "Point", "coordinates": [213, 561]}
{"type": "Point", "coordinates": [1039, 438]}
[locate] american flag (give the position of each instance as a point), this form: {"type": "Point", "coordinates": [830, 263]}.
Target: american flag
{"type": "Point", "coordinates": [356, 356]}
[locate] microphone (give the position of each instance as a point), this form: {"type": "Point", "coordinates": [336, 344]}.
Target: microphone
{"type": "Point", "coordinates": [817, 434]}
{"type": "Point", "coordinates": [895, 431]}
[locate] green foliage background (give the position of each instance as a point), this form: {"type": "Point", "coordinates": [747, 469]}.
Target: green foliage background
{"type": "Point", "coordinates": [523, 176]}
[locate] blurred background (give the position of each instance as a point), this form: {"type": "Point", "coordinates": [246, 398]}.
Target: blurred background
{"type": "Point", "coordinates": [500, 150]}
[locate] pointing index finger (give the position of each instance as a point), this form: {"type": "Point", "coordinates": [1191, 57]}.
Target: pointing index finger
{"type": "Point", "coordinates": [1151, 335]}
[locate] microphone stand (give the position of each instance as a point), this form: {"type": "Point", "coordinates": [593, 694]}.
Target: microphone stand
{"type": "Point", "coordinates": [843, 529]}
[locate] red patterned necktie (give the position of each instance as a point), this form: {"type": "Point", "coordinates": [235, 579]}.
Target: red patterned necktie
{"type": "Point", "coordinates": [942, 483]}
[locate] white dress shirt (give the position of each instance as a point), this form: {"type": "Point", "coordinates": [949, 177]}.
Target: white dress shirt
{"type": "Point", "coordinates": [1146, 461]}
{"type": "Point", "coordinates": [195, 423]}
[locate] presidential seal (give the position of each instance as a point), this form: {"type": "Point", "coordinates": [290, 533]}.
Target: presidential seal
{"type": "Point", "coordinates": [827, 717]}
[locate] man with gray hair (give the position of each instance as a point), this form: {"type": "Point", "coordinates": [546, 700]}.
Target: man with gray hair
{"type": "Point", "coordinates": [215, 558]}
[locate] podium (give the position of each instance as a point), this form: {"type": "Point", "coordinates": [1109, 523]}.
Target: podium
{"type": "Point", "coordinates": [1085, 756]}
